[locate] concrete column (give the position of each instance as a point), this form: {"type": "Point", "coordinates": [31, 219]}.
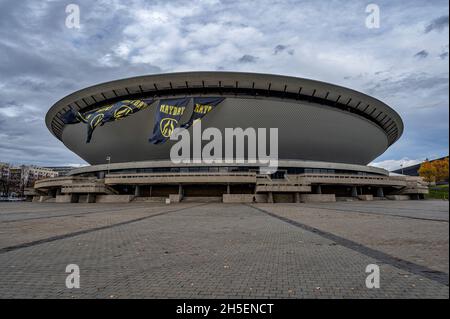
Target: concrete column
{"type": "Point", "coordinates": [180, 191]}
{"type": "Point", "coordinates": [137, 190]}
{"type": "Point", "coordinates": [354, 191]}
{"type": "Point", "coordinates": [297, 197]}
{"type": "Point", "coordinates": [90, 198]}
{"type": "Point", "coordinates": [150, 193]}
{"type": "Point", "coordinates": [380, 192]}
{"type": "Point", "coordinates": [58, 191]}
{"type": "Point", "coordinates": [319, 189]}
{"type": "Point", "coordinates": [228, 189]}
{"type": "Point", "coordinates": [73, 198]}
{"type": "Point", "coordinates": [270, 197]}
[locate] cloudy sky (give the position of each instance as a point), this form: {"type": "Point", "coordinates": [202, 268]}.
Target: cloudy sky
{"type": "Point", "coordinates": [405, 62]}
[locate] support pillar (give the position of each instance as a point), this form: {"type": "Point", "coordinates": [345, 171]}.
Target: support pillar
{"type": "Point", "coordinates": [150, 191]}
{"type": "Point", "coordinates": [319, 189]}
{"type": "Point", "coordinates": [380, 192]}
{"type": "Point", "coordinates": [297, 197]}
{"type": "Point", "coordinates": [73, 198]}
{"type": "Point", "coordinates": [354, 191]}
{"type": "Point", "coordinates": [228, 189]}
{"type": "Point", "coordinates": [180, 191]}
{"type": "Point", "coordinates": [90, 198]}
{"type": "Point", "coordinates": [270, 197]}
{"type": "Point", "coordinates": [137, 191]}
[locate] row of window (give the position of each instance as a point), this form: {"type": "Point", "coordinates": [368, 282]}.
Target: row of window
{"type": "Point", "coordinates": [226, 169]}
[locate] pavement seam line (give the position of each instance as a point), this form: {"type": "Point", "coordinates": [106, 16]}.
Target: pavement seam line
{"type": "Point", "coordinates": [378, 214]}
{"type": "Point", "coordinates": [67, 215]}
{"type": "Point", "coordinates": [431, 274]}
{"type": "Point", "coordinates": [87, 231]}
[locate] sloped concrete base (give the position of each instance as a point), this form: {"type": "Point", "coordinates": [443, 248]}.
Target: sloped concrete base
{"type": "Point", "coordinates": [317, 198]}
{"type": "Point", "coordinates": [398, 197]}
{"type": "Point", "coordinates": [196, 199]}
{"type": "Point", "coordinates": [238, 198]}
{"type": "Point", "coordinates": [261, 198]}
{"type": "Point", "coordinates": [365, 197]}
{"type": "Point", "coordinates": [175, 198]}
{"type": "Point", "coordinates": [149, 199]}
{"type": "Point", "coordinates": [114, 198]}
{"type": "Point", "coordinates": [66, 198]}
{"type": "Point", "coordinates": [43, 199]}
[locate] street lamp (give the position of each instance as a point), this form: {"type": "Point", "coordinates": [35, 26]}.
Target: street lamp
{"type": "Point", "coordinates": [108, 159]}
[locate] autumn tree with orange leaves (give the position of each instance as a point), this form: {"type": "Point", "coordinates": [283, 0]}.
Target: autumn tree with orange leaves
{"type": "Point", "coordinates": [435, 171]}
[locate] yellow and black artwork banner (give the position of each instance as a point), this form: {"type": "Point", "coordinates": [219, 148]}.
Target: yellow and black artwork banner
{"type": "Point", "coordinates": [202, 106]}
{"type": "Point", "coordinates": [108, 113]}
{"type": "Point", "coordinates": [167, 118]}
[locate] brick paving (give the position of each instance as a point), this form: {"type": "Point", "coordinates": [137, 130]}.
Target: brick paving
{"type": "Point", "coordinates": [217, 250]}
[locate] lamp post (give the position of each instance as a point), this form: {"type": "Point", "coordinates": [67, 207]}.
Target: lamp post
{"type": "Point", "coordinates": [108, 159]}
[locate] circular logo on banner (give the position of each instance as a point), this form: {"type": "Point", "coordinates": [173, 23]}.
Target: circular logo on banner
{"type": "Point", "coordinates": [122, 111]}
{"type": "Point", "coordinates": [167, 126]}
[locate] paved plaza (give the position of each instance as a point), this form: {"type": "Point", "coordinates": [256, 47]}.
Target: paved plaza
{"type": "Point", "coordinates": [214, 250]}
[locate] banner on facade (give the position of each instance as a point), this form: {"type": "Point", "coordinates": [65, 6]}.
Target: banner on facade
{"type": "Point", "coordinates": [109, 113]}
{"type": "Point", "coordinates": [202, 106]}
{"type": "Point", "coordinates": [167, 118]}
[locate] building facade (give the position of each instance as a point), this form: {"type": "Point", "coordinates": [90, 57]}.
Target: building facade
{"type": "Point", "coordinates": [326, 136]}
{"type": "Point", "coordinates": [15, 180]}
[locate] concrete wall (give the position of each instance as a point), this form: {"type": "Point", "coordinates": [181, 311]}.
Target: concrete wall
{"type": "Point", "coordinates": [202, 199]}
{"type": "Point", "coordinates": [42, 199]}
{"type": "Point", "coordinates": [175, 198]}
{"type": "Point", "coordinates": [317, 198]}
{"type": "Point", "coordinates": [261, 198]}
{"type": "Point", "coordinates": [114, 198]}
{"type": "Point", "coordinates": [365, 197]}
{"type": "Point", "coordinates": [66, 198]}
{"type": "Point", "coordinates": [149, 199]}
{"type": "Point", "coordinates": [398, 197]}
{"type": "Point", "coordinates": [283, 197]}
{"type": "Point", "coordinates": [238, 198]}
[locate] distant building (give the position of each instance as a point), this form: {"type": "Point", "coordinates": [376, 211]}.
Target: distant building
{"type": "Point", "coordinates": [14, 180]}
{"type": "Point", "coordinates": [413, 170]}
{"type": "Point", "coordinates": [61, 170]}
{"type": "Point", "coordinates": [4, 178]}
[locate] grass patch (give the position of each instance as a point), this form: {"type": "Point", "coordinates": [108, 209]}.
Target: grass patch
{"type": "Point", "coordinates": [438, 192]}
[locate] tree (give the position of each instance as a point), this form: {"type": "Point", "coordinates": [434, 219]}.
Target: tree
{"type": "Point", "coordinates": [428, 171]}
{"type": "Point", "coordinates": [4, 179]}
{"type": "Point", "coordinates": [441, 167]}
{"type": "Point", "coordinates": [4, 184]}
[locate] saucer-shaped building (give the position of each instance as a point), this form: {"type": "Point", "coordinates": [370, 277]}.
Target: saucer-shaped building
{"type": "Point", "coordinates": [324, 130]}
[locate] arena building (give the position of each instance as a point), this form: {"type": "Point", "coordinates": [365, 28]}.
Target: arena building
{"type": "Point", "coordinates": [327, 135]}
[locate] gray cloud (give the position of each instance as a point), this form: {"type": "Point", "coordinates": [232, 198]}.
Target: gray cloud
{"type": "Point", "coordinates": [246, 58]}
{"type": "Point", "coordinates": [437, 24]}
{"type": "Point", "coordinates": [41, 60]}
{"type": "Point", "coordinates": [279, 48]}
{"type": "Point", "coordinates": [421, 54]}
